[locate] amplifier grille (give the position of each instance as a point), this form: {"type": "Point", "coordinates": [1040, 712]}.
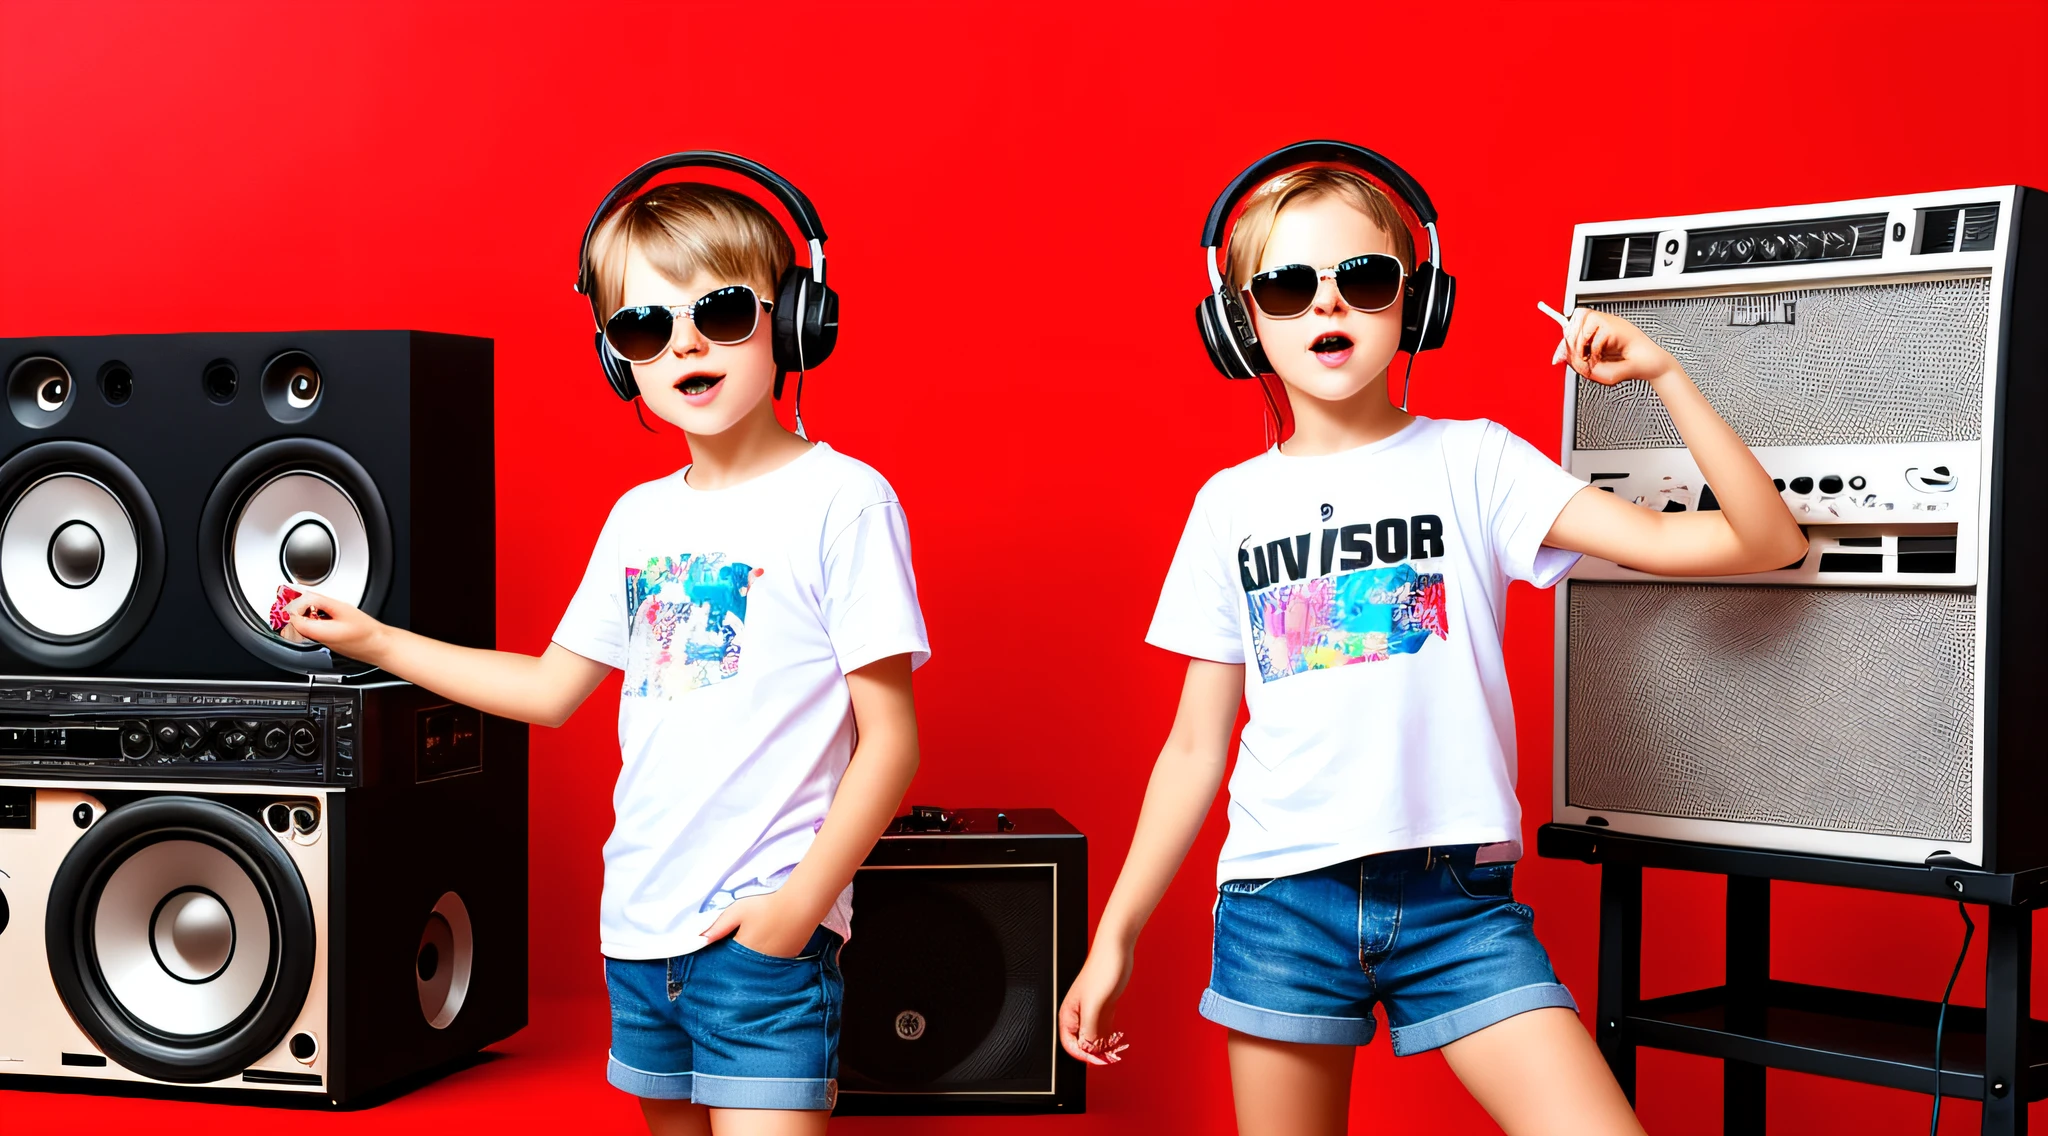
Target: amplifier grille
{"type": "Point", "coordinates": [1842, 709]}
{"type": "Point", "coordinates": [1865, 363]}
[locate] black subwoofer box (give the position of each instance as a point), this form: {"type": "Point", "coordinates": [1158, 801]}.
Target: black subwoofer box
{"type": "Point", "coordinates": [968, 927]}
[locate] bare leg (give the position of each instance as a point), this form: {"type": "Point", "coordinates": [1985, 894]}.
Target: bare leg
{"type": "Point", "coordinates": [675, 1117]}
{"type": "Point", "coordinates": [1539, 1074]}
{"type": "Point", "coordinates": [768, 1122]}
{"type": "Point", "coordinates": [1285, 1088]}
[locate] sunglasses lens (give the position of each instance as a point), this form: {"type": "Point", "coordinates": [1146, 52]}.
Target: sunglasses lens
{"type": "Point", "coordinates": [1370, 283]}
{"type": "Point", "coordinates": [727, 315]}
{"type": "Point", "coordinates": [1285, 291]}
{"type": "Point", "coordinates": [639, 334]}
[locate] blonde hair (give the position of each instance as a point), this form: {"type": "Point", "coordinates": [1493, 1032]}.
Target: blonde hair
{"type": "Point", "coordinates": [1254, 226]}
{"type": "Point", "coordinates": [687, 226]}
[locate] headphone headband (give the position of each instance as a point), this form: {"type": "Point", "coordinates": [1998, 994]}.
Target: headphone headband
{"type": "Point", "coordinates": [792, 199]}
{"type": "Point", "coordinates": [1306, 153]}
{"type": "Point", "coordinates": [1226, 325]}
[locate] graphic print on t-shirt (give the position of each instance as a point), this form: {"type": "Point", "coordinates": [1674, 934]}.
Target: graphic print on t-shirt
{"type": "Point", "coordinates": [1359, 614]}
{"type": "Point", "coordinates": [687, 614]}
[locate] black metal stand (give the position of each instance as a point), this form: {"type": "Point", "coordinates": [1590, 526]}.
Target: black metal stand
{"type": "Point", "coordinates": [1997, 1055]}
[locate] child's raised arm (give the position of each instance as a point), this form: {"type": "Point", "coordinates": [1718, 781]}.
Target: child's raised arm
{"type": "Point", "coordinates": [1752, 532]}
{"type": "Point", "coordinates": [1183, 786]}
{"type": "Point", "coordinates": [543, 690]}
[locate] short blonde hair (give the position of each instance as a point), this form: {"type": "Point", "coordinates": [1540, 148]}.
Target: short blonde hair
{"type": "Point", "coordinates": [687, 226]}
{"type": "Point", "coordinates": [1254, 226]}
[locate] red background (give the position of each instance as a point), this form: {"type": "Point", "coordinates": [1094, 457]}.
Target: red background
{"type": "Point", "coordinates": [250, 166]}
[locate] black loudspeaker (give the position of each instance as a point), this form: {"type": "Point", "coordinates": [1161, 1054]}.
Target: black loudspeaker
{"type": "Point", "coordinates": [313, 894]}
{"type": "Point", "coordinates": [968, 927]}
{"type": "Point", "coordinates": [157, 490]}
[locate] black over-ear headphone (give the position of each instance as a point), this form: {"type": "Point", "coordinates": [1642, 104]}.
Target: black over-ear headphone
{"type": "Point", "coordinates": [1226, 325]}
{"type": "Point", "coordinates": [805, 322]}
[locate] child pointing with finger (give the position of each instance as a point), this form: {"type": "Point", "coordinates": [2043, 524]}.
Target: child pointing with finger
{"type": "Point", "coordinates": [1347, 586]}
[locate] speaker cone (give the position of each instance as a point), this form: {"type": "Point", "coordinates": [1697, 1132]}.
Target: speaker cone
{"type": "Point", "coordinates": [442, 966]}
{"type": "Point", "coordinates": [81, 554]}
{"type": "Point", "coordinates": [938, 994]}
{"type": "Point", "coordinates": [297, 512]}
{"type": "Point", "coordinates": [181, 938]}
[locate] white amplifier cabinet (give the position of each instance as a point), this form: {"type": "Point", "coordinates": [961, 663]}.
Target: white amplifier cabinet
{"type": "Point", "coordinates": [1887, 360]}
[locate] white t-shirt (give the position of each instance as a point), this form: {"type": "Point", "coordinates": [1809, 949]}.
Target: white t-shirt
{"type": "Point", "coordinates": [736, 614]}
{"type": "Point", "coordinates": [1395, 557]}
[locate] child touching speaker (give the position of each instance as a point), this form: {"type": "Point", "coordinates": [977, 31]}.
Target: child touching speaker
{"type": "Point", "coordinates": [761, 603]}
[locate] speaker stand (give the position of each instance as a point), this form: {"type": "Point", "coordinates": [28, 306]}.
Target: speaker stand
{"type": "Point", "coordinates": [1753, 1022]}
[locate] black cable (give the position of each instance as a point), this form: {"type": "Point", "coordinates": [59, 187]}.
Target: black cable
{"type": "Point", "coordinates": [1969, 929]}
{"type": "Point", "coordinates": [643, 421]}
{"type": "Point", "coordinates": [1407, 381]}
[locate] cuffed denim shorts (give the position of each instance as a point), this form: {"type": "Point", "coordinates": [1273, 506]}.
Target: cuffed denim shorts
{"type": "Point", "coordinates": [729, 1027]}
{"type": "Point", "coordinates": [1437, 941]}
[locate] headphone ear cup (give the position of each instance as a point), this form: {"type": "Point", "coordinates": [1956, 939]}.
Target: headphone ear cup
{"type": "Point", "coordinates": [617, 372]}
{"type": "Point", "coordinates": [1426, 309]}
{"type": "Point", "coordinates": [789, 298]}
{"type": "Point", "coordinates": [821, 323]}
{"type": "Point", "coordinates": [1227, 332]}
{"type": "Point", "coordinates": [1437, 327]}
{"type": "Point", "coordinates": [806, 321]}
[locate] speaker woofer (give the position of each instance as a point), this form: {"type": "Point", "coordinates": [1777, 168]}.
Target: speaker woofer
{"type": "Point", "coordinates": [442, 966]}
{"type": "Point", "coordinates": [296, 511]}
{"type": "Point", "coordinates": [180, 937]}
{"type": "Point", "coordinates": [81, 554]}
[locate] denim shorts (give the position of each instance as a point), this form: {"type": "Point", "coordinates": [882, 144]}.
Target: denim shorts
{"type": "Point", "coordinates": [1439, 942]}
{"type": "Point", "coordinates": [729, 1027]}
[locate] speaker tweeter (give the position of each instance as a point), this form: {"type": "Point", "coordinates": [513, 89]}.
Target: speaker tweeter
{"type": "Point", "coordinates": [292, 386]}
{"type": "Point", "coordinates": [39, 391]}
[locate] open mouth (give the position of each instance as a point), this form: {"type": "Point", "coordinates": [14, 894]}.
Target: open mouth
{"type": "Point", "coordinates": [694, 385]}
{"type": "Point", "coordinates": [1332, 349]}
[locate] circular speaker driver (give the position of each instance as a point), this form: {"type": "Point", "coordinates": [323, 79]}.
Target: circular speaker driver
{"type": "Point", "coordinates": [298, 512]}
{"type": "Point", "coordinates": [442, 966]}
{"type": "Point", "coordinates": [929, 986]}
{"type": "Point", "coordinates": [81, 554]}
{"type": "Point", "coordinates": [180, 936]}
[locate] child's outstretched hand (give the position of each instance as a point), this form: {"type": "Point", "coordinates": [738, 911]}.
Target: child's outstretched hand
{"type": "Point", "coordinates": [1608, 349]}
{"type": "Point", "coordinates": [337, 626]}
{"type": "Point", "coordinates": [1090, 1008]}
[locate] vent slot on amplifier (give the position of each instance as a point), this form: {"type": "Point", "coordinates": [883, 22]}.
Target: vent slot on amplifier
{"type": "Point", "coordinates": [1622, 256]}
{"type": "Point", "coordinates": [1839, 709]}
{"type": "Point", "coordinates": [1958, 228]}
{"type": "Point", "coordinates": [1851, 365]}
{"type": "Point", "coordinates": [1745, 246]}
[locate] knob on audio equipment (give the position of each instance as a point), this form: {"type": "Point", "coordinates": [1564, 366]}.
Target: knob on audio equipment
{"type": "Point", "coordinates": [304, 820]}
{"type": "Point", "coordinates": [135, 741]}
{"type": "Point", "coordinates": [278, 817]}
{"type": "Point", "coordinates": [271, 742]}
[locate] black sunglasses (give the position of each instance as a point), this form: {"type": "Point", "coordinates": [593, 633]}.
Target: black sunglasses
{"type": "Point", "coordinates": [1368, 283]}
{"type": "Point", "coordinates": [724, 316]}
